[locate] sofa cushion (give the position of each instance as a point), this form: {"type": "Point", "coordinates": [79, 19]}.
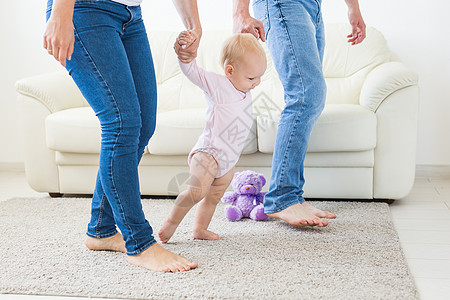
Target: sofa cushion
{"type": "Point", "coordinates": [341, 127]}
{"type": "Point", "coordinates": [77, 130]}
{"type": "Point", "coordinates": [73, 130]}
{"type": "Point", "coordinates": [177, 132]}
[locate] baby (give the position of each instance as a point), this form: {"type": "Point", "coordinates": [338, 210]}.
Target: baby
{"type": "Point", "coordinates": [229, 119]}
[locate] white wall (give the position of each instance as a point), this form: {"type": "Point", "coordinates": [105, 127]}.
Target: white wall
{"type": "Point", "coordinates": [415, 31]}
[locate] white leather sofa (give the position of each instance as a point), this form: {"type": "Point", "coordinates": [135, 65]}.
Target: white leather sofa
{"type": "Point", "coordinates": [362, 147]}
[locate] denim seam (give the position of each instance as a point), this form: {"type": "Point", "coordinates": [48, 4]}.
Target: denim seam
{"type": "Point", "coordinates": [101, 236]}
{"type": "Point", "coordinates": [117, 194]}
{"type": "Point", "coordinates": [319, 7]}
{"type": "Point", "coordinates": [125, 25]}
{"type": "Point", "coordinates": [112, 177]}
{"type": "Point", "coordinates": [268, 20]}
{"type": "Point", "coordinates": [285, 155]}
{"type": "Point", "coordinates": [266, 16]}
{"type": "Point", "coordinates": [97, 231]}
{"type": "Point", "coordinates": [115, 143]}
{"type": "Point", "coordinates": [143, 248]}
{"type": "Point", "coordinates": [285, 205]}
{"type": "Point", "coordinates": [292, 49]}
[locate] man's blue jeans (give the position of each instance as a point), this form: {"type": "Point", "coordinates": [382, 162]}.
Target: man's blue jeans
{"type": "Point", "coordinates": [296, 40]}
{"type": "Point", "coordinates": [113, 68]}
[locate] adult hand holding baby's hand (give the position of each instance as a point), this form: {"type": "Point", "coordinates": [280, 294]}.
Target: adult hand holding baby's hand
{"type": "Point", "coordinates": [186, 45]}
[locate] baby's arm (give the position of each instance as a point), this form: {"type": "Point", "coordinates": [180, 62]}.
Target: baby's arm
{"type": "Point", "coordinates": [198, 76]}
{"type": "Point", "coordinates": [201, 78]}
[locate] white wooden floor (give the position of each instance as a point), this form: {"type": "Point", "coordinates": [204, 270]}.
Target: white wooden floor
{"type": "Point", "coordinates": [422, 220]}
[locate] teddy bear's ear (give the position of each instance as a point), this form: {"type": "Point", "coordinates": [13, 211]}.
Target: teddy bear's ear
{"type": "Point", "coordinates": [235, 175]}
{"type": "Point", "coordinates": [263, 179]}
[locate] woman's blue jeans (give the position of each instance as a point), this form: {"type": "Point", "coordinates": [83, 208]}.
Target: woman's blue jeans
{"type": "Point", "coordinates": [113, 68]}
{"type": "Point", "coordinates": [296, 39]}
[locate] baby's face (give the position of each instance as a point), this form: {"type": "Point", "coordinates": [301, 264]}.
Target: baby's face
{"type": "Point", "coordinates": [248, 71]}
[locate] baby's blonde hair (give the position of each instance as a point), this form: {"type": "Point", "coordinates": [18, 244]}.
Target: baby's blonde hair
{"type": "Point", "coordinates": [237, 45]}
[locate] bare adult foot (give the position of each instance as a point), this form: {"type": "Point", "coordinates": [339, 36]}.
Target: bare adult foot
{"type": "Point", "coordinates": [317, 212]}
{"type": "Point", "coordinates": [205, 235]}
{"type": "Point", "coordinates": [156, 258]}
{"type": "Point", "coordinates": [167, 230]}
{"type": "Point", "coordinates": [112, 243]}
{"type": "Point", "coordinates": [298, 215]}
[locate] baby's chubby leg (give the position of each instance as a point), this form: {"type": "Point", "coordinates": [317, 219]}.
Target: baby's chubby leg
{"type": "Point", "coordinates": [207, 206]}
{"type": "Point", "coordinates": [203, 169]}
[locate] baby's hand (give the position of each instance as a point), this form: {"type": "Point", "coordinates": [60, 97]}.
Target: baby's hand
{"type": "Point", "coordinates": [185, 39]}
{"type": "Point", "coordinates": [186, 45]}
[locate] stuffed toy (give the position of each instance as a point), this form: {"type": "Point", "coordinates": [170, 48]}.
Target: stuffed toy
{"type": "Point", "coordinates": [247, 199]}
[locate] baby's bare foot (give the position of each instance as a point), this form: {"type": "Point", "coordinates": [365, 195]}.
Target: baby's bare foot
{"type": "Point", "coordinates": [156, 258]}
{"type": "Point", "coordinates": [205, 235]}
{"type": "Point", "coordinates": [317, 212]}
{"type": "Point", "coordinates": [112, 243]}
{"type": "Point", "coordinates": [298, 215]}
{"type": "Point", "coordinates": [167, 230]}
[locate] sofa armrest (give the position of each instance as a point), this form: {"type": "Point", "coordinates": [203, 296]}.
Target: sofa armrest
{"type": "Point", "coordinates": [56, 91]}
{"type": "Point", "coordinates": [383, 81]}
{"type": "Point", "coordinates": [392, 93]}
{"type": "Point", "coordinates": [38, 97]}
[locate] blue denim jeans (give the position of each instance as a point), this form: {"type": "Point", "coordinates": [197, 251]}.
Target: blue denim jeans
{"type": "Point", "coordinates": [296, 39]}
{"type": "Point", "coordinates": [113, 68]}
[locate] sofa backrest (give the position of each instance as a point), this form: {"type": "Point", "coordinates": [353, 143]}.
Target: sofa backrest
{"type": "Point", "coordinates": [345, 68]}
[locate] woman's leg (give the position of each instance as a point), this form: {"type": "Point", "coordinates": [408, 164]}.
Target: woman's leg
{"type": "Point", "coordinates": [137, 48]}
{"type": "Point", "coordinates": [102, 220]}
{"type": "Point", "coordinates": [101, 70]}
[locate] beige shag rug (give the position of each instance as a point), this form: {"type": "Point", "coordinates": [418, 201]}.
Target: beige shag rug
{"type": "Point", "coordinates": [358, 256]}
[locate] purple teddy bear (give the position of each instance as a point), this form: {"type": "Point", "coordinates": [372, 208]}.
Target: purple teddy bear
{"type": "Point", "coordinates": [246, 200]}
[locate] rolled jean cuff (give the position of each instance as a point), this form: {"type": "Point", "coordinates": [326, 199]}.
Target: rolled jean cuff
{"type": "Point", "coordinates": [101, 236]}
{"type": "Point", "coordinates": [143, 248]}
{"type": "Point", "coordinates": [285, 204]}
